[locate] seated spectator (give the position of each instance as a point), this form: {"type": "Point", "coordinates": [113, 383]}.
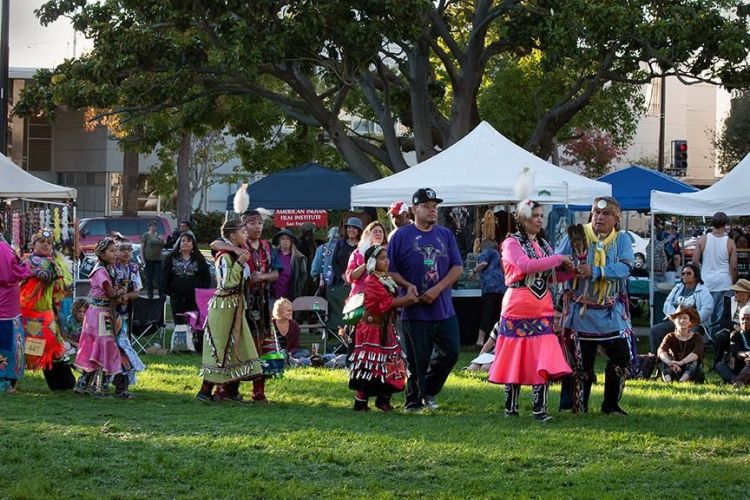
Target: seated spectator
{"type": "Point", "coordinates": [730, 320]}
{"type": "Point", "coordinates": [486, 356]}
{"type": "Point", "coordinates": [690, 292]}
{"type": "Point", "coordinates": [681, 352]}
{"type": "Point", "coordinates": [71, 331]}
{"type": "Point", "coordinates": [737, 359]}
{"type": "Point", "coordinates": [287, 332]}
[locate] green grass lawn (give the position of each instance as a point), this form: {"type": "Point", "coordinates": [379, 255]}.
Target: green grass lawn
{"type": "Point", "coordinates": [682, 441]}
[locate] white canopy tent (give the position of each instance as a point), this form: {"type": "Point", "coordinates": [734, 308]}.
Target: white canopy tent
{"type": "Point", "coordinates": [15, 182]}
{"type": "Point", "coordinates": [728, 195]}
{"type": "Point", "coordinates": [481, 169]}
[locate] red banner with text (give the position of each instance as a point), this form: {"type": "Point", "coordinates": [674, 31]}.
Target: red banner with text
{"type": "Point", "coordinates": [293, 218]}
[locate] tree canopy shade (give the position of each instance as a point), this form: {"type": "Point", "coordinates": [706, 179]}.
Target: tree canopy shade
{"type": "Point", "coordinates": [310, 186]}
{"type": "Point", "coordinates": [418, 63]}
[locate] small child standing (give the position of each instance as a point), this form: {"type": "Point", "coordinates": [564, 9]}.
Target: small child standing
{"type": "Point", "coordinates": [73, 324]}
{"type": "Point", "coordinates": [127, 278]}
{"type": "Point", "coordinates": [377, 363]}
{"type": "Point", "coordinates": [229, 353]}
{"type": "Point", "coordinates": [98, 356]}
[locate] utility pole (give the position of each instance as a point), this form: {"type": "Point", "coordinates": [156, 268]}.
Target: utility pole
{"type": "Point", "coordinates": [662, 105]}
{"type": "Point", "coordinates": [4, 87]}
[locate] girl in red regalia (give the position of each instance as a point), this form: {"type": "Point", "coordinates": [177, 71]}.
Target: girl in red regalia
{"type": "Point", "coordinates": [377, 363]}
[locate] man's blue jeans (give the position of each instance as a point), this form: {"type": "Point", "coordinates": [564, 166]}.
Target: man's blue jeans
{"type": "Point", "coordinates": [432, 352]}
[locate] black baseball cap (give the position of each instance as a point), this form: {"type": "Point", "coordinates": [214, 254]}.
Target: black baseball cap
{"type": "Point", "coordinates": [423, 195]}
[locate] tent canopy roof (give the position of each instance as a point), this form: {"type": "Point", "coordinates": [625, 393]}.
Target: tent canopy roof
{"type": "Point", "coordinates": [482, 168]}
{"type": "Point", "coordinates": [728, 195]}
{"type": "Point", "coordinates": [18, 183]}
{"type": "Point", "coordinates": [309, 186]}
{"type": "Point", "coordinates": [632, 186]}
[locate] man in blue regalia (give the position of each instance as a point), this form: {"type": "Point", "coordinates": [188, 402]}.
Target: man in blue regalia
{"type": "Point", "coordinates": [595, 308]}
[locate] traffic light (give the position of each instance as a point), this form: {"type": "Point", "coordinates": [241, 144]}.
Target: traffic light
{"type": "Point", "coordinates": [680, 156]}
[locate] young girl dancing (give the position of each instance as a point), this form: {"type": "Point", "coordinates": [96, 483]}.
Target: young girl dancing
{"type": "Point", "coordinates": [377, 364]}
{"type": "Point", "coordinates": [98, 356]}
{"type": "Point", "coordinates": [229, 353]}
{"type": "Point", "coordinates": [127, 278]}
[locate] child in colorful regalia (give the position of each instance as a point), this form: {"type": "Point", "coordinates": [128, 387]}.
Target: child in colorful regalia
{"type": "Point", "coordinates": [378, 365]}
{"type": "Point", "coordinates": [229, 352]}
{"type": "Point", "coordinates": [98, 356]}
{"type": "Point", "coordinates": [41, 295]}
{"type": "Point", "coordinates": [127, 278]}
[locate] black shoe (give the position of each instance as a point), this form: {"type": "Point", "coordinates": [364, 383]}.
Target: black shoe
{"type": "Point", "coordinates": [204, 398]}
{"type": "Point", "coordinates": [543, 417]}
{"type": "Point", "coordinates": [414, 408]}
{"type": "Point", "coordinates": [615, 411]}
{"type": "Point", "coordinates": [511, 413]}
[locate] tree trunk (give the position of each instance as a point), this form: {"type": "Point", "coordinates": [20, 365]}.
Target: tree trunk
{"type": "Point", "coordinates": [424, 146]}
{"type": "Point", "coordinates": [360, 164]}
{"type": "Point", "coordinates": [184, 195]}
{"type": "Point", "coordinates": [130, 184]}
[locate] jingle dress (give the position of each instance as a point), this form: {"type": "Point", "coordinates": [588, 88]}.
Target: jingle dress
{"type": "Point", "coordinates": [527, 351]}
{"type": "Point", "coordinates": [229, 352]}
{"type": "Point", "coordinates": [40, 296]}
{"type": "Point", "coordinates": [128, 277]}
{"type": "Point", "coordinates": [98, 347]}
{"type": "Point", "coordinates": [377, 364]}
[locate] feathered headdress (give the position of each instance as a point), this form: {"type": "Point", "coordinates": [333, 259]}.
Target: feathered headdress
{"type": "Point", "coordinates": [523, 187]}
{"type": "Point", "coordinates": [241, 199]}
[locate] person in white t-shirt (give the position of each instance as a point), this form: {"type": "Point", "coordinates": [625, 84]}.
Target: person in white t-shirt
{"type": "Point", "coordinates": [716, 253]}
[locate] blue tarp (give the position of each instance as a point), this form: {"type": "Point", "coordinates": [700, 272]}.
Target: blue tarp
{"type": "Point", "coordinates": [632, 187]}
{"type": "Point", "coordinates": [310, 186]}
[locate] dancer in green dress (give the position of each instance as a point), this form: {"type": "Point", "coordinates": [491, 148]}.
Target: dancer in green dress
{"type": "Point", "coordinates": [229, 353]}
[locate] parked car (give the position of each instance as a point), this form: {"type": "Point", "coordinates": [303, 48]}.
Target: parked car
{"type": "Point", "coordinates": [638, 242]}
{"type": "Point", "coordinates": [95, 228]}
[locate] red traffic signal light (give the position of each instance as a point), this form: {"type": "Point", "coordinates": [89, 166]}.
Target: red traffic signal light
{"type": "Point", "coordinates": [680, 155]}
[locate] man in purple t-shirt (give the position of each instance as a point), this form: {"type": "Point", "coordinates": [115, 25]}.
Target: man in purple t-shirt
{"type": "Point", "coordinates": [424, 257]}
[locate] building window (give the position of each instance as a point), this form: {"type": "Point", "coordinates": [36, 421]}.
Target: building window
{"type": "Point", "coordinates": [147, 201]}
{"type": "Point", "coordinates": [38, 144]}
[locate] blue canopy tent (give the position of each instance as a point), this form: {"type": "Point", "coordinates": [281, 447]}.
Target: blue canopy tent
{"type": "Point", "coordinates": [632, 187]}
{"type": "Point", "coordinates": [311, 186]}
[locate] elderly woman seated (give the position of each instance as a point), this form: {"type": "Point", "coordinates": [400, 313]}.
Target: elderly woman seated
{"type": "Point", "coordinates": [735, 367]}
{"type": "Point", "coordinates": [690, 292]}
{"type": "Point", "coordinates": [681, 352]}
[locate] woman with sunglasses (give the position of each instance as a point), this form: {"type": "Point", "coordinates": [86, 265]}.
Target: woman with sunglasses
{"type": "Point", "coordinates": [689, 292]}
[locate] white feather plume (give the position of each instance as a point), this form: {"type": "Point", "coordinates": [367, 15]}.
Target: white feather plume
{"type": "Point", "coordinates": [241, 199]}
{"type": "Point", "coordinates": [524, 183]}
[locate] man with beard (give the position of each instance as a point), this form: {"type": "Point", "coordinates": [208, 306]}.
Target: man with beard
{"type": "Point", "coordinates": [424, 258]}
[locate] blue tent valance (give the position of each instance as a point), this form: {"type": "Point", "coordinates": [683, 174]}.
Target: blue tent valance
{"type": "Point", "coordinates": [632, 187]}
{"type": "Point", "coordinates": [310, 186]}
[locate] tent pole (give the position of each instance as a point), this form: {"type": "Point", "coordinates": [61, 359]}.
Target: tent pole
{"type": "Point", "coordinates": [651, 283]}
{"type": "Point", "coordinates": [75, 248]}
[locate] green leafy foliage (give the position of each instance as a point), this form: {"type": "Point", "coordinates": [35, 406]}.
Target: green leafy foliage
{"type": "Point", "coordinates": [733, 143]}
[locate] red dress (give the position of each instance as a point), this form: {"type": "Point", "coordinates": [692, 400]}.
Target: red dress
{"type": "Point", "coordinates": [377, 364]}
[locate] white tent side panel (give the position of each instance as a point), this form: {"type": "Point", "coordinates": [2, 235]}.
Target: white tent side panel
{"type": "Point", "coordinates": [15, 182]}
{"type": "Point", "coordinates": [481, 168]}
{"type": "Point", "coordinates": [728, 195]}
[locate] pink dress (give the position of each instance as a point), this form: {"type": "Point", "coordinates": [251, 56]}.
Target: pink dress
{"type": "Point", "coordinates": [97, 347]}
{"type": "Point", "coordinates": [527, 351]}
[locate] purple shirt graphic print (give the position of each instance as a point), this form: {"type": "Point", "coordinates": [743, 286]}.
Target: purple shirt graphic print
{"type": "Point", "coordinates": [423, 258]}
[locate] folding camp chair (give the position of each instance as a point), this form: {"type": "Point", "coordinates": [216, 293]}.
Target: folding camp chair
{"type": "Point", "coordinates": [197, 319]}
{"type": "Point", "coordinates": [319, 307]}
{"type": "Point", "coordinates": [148, 322]}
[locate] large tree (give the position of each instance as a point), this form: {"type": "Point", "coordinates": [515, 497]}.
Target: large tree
{"type": "Point", "coordinates": [420, 64]}
{"type": "Point", "coordinates": [733, 143]}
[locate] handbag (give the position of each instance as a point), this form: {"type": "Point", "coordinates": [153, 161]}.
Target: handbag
{"type": "Point", "coordinates": [354, 309]}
